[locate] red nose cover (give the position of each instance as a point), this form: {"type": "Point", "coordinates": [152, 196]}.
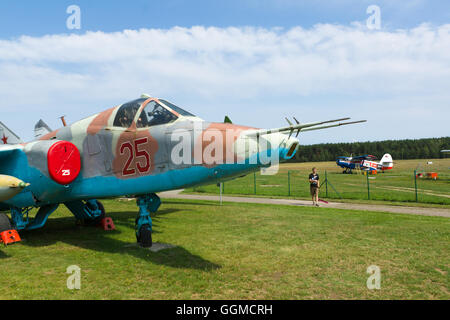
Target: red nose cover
{"type": "Point", "coordinates": [64, 162]}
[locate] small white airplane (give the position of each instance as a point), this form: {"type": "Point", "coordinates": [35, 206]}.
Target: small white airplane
{"type": "Point", "coordinates": [365, 163]}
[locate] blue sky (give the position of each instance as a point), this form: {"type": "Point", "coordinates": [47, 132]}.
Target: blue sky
{"type": "Point", "coordinates": [322, 63]}
{"type": "Point", "coordinates": [37, 18]}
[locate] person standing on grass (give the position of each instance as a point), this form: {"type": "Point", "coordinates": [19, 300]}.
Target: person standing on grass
{"type": "Point", "coordinates": [314, 181]}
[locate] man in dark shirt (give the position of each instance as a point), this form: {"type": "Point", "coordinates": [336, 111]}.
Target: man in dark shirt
{"type": "Point", "coordinates": [314, 181]}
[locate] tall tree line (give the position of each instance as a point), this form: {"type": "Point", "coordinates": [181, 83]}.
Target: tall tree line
{"type": "Point", "coordinates": [399, 149]}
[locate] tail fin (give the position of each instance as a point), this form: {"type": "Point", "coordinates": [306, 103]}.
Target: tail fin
{"type": "Point", "coordinates": [41, 129]}
{"type": "Point", "coordinates": [387, 161]}
{"type": "Point", "coordinates": [7, 136]}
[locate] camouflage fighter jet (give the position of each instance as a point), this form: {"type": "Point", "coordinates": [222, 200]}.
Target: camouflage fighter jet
{"type": "Point", "coordinates": [136, 149]}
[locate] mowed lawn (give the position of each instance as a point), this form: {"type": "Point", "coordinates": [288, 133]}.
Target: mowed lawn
{"type": "Point", "coordinates": [234, 251]}
{"type": "Point", "coordinates": [397, 185]}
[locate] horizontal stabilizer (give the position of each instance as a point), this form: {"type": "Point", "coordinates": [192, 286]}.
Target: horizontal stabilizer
{"type": "Point", "coordinates": [7, 136]}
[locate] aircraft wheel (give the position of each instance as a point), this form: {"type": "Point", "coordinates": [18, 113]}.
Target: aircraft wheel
{"type": "Point", "coordinates": [145, 236]}
{"type": "Point", "coordinates": [5, 224]}
{"type": "Point", "coordinates": [102, 209]}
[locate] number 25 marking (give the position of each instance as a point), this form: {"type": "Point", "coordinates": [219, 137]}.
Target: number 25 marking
{"type": "Point", "coordinates": [135, 153]}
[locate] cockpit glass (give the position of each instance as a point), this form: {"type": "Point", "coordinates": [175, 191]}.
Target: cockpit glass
{"type": "Point", "coordinates": [177, 109]}
{"type": "Point", "coordinates": [127, 113]}
{"type": "Point", "coordinates": [155, 114]}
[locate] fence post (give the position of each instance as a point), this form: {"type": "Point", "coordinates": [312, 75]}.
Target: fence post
{"type": "Point", "coordinates": [326, 183]}
{"type": "Point", "coordinates": [415, 183]}
{"type": "Point", "coordinates": [254, 182]}
{"type": "Point", "coordinates": [368, 184]}
{"type": "Point", "coordinates": [289, 183]}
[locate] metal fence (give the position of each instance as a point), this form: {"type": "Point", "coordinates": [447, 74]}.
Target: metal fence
{"type": "Point", "coordinates": [410, 186]}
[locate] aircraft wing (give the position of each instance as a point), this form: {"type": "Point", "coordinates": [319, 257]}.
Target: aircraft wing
{"type": "Point", "coordinates": [7, 150]}
{"type": "Point", "coordinates": [365, 157]}
{"type": "Point", "coordinates": [302, 127]}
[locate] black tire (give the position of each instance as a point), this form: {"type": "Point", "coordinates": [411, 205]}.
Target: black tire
{"type": "Point", "coordinates": [145, 236]}
{"type": "Point", "coordinates": [5, 224]}
{"type": "Point", "coordinates": [102, 208]}
{"type": "Point", "coordinates": [95, 222]}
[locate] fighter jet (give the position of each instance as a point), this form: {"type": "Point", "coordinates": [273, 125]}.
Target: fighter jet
{"type": "Point", "coordinates": [136, 149]}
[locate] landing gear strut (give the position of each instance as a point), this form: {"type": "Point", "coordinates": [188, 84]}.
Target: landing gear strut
{"type": "Point", "coordinates": [147, 204]}
{"type": "Point", "coordinates": [90, 213]}
{"type": "Point", "coordinates": [21, 221]}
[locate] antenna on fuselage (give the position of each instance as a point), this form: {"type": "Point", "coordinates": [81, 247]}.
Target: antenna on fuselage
{"type": "Point", "coordinates": [63, 120]}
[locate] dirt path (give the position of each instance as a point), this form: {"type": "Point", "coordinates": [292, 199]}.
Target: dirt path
{"type": "Point", "coordinates": [337, 205]}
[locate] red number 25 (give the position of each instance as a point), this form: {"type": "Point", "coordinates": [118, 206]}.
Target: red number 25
{"type": "Point", "coordinates": [135, 153]}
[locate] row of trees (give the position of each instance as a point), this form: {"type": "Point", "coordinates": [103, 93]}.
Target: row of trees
{"type": "Point", "coordinates": [399, 149]}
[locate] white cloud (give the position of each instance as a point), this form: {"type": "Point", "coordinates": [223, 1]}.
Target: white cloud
{"type": "Point", "coordinates": [211, 64]}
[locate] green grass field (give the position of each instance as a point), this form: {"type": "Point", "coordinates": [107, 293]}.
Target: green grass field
{"type": "Point", "coordinates": [397, 185]}
{"type": "Point", "coordinates": [234, 251]}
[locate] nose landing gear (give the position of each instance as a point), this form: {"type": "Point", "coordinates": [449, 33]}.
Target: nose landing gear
{"type": "Point", "coordinates": [147, 204]}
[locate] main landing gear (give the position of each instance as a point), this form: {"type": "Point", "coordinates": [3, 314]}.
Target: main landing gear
{"type": "Point", "coordinates": [147, 204]}
{"type": "Point", "coordinates": [89, 213]}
